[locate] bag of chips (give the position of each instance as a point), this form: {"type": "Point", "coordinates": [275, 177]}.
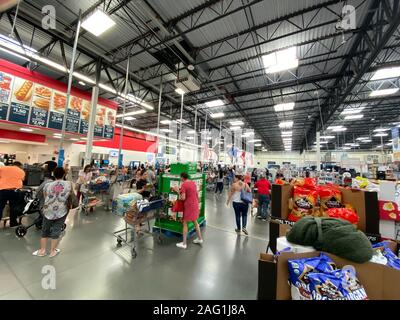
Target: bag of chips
{"type": "Point", "coordinates": [330, 197]}
{"type": "Point", "coordinates": [304, 202]}
{"type": "Point", "coordinates": [299, 271]}
{"type": "Point", "coordinates": [310, 183]}
{"type": "Point", "coordinates": [392, 260]}
{"type": "Point", "coordinates": [343, 213]}
{"type": "Point", "coordinates": [279, 181]}
{"type": "Point", "coordinates": [341, 284]}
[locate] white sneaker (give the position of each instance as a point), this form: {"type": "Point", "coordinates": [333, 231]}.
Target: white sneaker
{"type": "Point", "coordinates": [197, 241]}
{"type": "Point", "coordinates": [181, 245]}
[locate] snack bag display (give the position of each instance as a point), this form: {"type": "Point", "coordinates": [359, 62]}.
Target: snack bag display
{"type": "Point", "coordinates": [299, 271]}
{"type": "Point", "coordinates": [310, 183]}
{"type": "Point", "coordinates": [341, 284]}
{"type": "Point", "coordinates": [330, 197]}
{"type": "Point", "coordinates": [343, 213]}
{"type": "Point", "coordinates": [279, 181]}
{"type": "Point", "coordinates": [304, 202]}
{"type": "Point", "coordinates": [392, 260]}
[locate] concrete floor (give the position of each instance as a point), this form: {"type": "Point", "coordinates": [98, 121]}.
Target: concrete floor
{"type": "Point", "coordinates": [90, 265]}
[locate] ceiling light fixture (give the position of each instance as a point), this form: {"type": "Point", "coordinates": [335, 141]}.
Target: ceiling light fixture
{"type": "Point", "coordinates": [235, 128]}
{"type": "Point", "coordinates": [191, 132]}
{"type": "Point", "coordinates": [286, 133]}
{"type": "Point", "coordinates": [284, 107]}
{"type": "Point", "coordinates": [327, 137]}
{"type": "Point", "coordinates": [366, 141]}
{"type": "Point", "coordinates": [132, 113]}
{"type": "Point", "coordinates": [217, 115]}
{"type": "Point", "coordinates": [82, 83]}
{"type": "Point", "coordinates": [386, 73]}
{"type": "Point", "coordinates": [236, 123]}
{"type": "Point", "coordinates": [383, 92]}
{"type": "Point", "coordinates": [334, 127]}
{"type": "Point", "coordinates": [180, 91]}
{"type": "Point", "coordinates": [129, 118]}
{"type": "Point", "coordinates": [165, 121]}
{"type": "Point", "coordinates": [214, 103]}
{"type": "Point", "coordinates": [352, 111]}
{"type": "Point", "coordinates": [339, 129]}
{"type": "Point", "coordinates": [354, 117]}
{"type": "Point", "coordinates": [381, 134]}
{"type": "Point", "coordinates": [255, 140]}
{"type": "Point", "coordinates": [281, 60]}
{"type": "Point", "coordinates": [166, 130]}
{"type": "Point", "coordinates": [97, 23]}
{"type": "Point", "coordinates": [286, 124]}
{"type": "Point", "coordinates": [381, 129]}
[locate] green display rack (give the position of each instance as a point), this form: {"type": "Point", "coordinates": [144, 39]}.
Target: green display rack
{"type": "Point", "coordinates": [171, 179]}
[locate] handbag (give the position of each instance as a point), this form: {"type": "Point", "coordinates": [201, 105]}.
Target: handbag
{"type": "Point", "coordinates": [177, 206]}
{"type": "Point", "coordinates": [72, 201]}
{"type": "Point", "coordinates": [246, 197]}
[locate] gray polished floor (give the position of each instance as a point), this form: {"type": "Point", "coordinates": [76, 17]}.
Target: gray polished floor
{"type": "Point", "coordinates": [90, 265]}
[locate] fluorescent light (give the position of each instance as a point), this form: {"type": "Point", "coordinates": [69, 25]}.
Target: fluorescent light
{"type": "Point", "coordinates": [74, 139]}
{"type": "Point", "coordinates": [362, 138]}
{"type": "Point", "coordinates": [165, 121]}
{"type": "Point", "coordinates": [248, 134]}
{"type": "Point", "coordinates": [217, 115]}
{"type": "Point", "coordinates": [97, 23]}
{"type": "Point", "coordinates": [191, 132]}
{"type": "Point", "coordinates": [366, 141]}
{"type": "Point", "coordinates": [284, 107]}
{"type": "Point", "coordinates": [339, 129]}
{"type": "Point", "coordinates": [280, 60]}
{"type": "Point", "coordinates": [258, 145]}
{"type": "Point", "coordinates": [354, 117]}
{"type": "Point", "coordinates": [381, 129]}
{"type": "Point", "coordinates": [214, 103]}
{"type": "Point", "coordinates": [327, 137]}
{"type": "Point", "coordinates": [381, 134]}
{"type": "Point", "coordinates": [132, 113]}
{"type": "Point", "coordinates": [107, 88]}
{"type": "Point", "coordinates": [129, 118]}
{"type": "Point", "coordinates": [383, 92]}
{"type": "Point", "coordinates": [286, 124]}
{"type": "Point", "coordinates": [346, 148]}
{"type": "Point", "coordinates": [389, 144]}
{"type": "Point", "coordinates": [25, 129]}
{"type": "Point", "coordinates": [386, 73]}
{"type": "Point", "coordinates": [236, 123]}
{"type": "Point", "coordinates": [50, 63]}
{"type": "Point", "coordinates": [334, 127]}
{"type": "Point", "coordinates": [15, 55]}
{"type": "Point", "coordinates": [183, 121]}
{"type": "Point", "coordinates": [14, 45]}
{"type": "Point", "coordinates": [165, 130]}
{"type": "Point", "coordinates": [234, 128]}
{"type": "Point", "coordinates": [82, 83]}
{"type": "Point", "coordinates": [352, 144]}
{"type": "Point", "coordinates": [321, 142]}
{"type": "Point", "coordinates": [83, 78]}
{"type": "Point", "coordinates": [180, 91]}
{"type": "Point", "coordinates": [286, 133]}
{"type": "Point", "coordinates": [255, 140]}
{"type": "Point", "coordinates": [352, 111]}
{"type": "Point", "coordinates": [190, 138]}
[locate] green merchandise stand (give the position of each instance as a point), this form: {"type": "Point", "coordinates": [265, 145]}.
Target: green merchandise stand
{"type": "Point", "coordinates": [172, 179]}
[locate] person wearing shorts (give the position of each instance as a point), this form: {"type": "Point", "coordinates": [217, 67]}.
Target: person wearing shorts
{"type": "Point", "coordinates": [191, 208]}
{"type": "Point", "coordinates": [55, 212]}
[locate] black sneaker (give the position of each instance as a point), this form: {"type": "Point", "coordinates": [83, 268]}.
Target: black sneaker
{"type": "Point", "coordinates": [237, 230]}
{"type": "Point", "coordinates": [245, 232]}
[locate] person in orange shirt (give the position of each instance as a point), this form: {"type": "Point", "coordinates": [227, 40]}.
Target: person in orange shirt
{"type": "Point", "coordinates": [11, 179]}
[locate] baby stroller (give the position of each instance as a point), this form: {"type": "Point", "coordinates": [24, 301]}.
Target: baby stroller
{"type": "Point", "coordinates": [32, 206]}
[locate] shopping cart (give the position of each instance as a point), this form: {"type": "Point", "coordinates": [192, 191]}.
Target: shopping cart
{"type": "Point", "coordinates": [93, 195]}
{"type": "Point", "coordinates": [142, 211]}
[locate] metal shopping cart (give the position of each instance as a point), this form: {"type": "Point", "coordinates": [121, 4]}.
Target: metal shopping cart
{"type": "Point", "coordinates": [93, 195]}
{"type": "Point", "coordinates": [142, 211]}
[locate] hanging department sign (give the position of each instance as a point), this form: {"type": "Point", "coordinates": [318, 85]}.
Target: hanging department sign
{"type": "Point", "coordinates": [396, 144]}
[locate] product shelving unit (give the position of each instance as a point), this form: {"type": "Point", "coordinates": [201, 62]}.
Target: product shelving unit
{"type": "Point", "coordinates": [172, 179]}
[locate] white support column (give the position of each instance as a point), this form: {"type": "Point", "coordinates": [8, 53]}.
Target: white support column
{"type": "Point", "coordinates": [123, 115]}
{"type": "Point", "coordinates": [318, 155]}
{"type": "Point", "coordinates": [92, 119]}
{"type": "Point", "coordinates": [180, 131]}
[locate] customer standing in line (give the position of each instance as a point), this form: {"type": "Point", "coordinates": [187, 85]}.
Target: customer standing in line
{"type": "Point", "coordinates": [11, 179]}
{"type": "Point", "coordinates": [85, 176]}
{"type": "Point", "coordinates": [220, 181]}
{"type": "Point", "coordinates": [263, 190]}
{"type": "Point", "coordinates": [55, 210]}
{"type": "Point", "coordinates": [241, 208]}
{"type": "Point", "coordinates": [188, 194]}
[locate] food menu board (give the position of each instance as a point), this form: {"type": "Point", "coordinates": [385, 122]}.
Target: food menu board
{"type": "Point", "coordinates": [6, 82]}
{"type": "Point", "coordinates": [40, 106]}
{"type": "Point", "coordinates": [100, 121]}
{"type": "Point", "coordinates": [26, 102]}
{"type": "Point", "coordinates": [21, 100]}
{"type": "Point", "coordinates": [85, 114]}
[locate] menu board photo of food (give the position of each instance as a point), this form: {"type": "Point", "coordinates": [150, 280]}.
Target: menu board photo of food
{"type": "Point", "coordinates": [86, 108]}
{"type": "Point", "coordinates": [110, 117]}
{"type": "Point", "coordinates": [100, 116]}
{"type": "Point", "coordinates": [59, 102]}
{"type": "Point", "coordinates": [23, 90]}
{"type": "Point", "coordinates": [41, 97]}
{"type": "Point", "coordinates": [75, 104]}
{"type": "Point", "coordinates": [6, 82]}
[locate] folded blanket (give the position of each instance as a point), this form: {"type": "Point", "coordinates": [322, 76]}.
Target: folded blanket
{"type": "Point", "coordinates": [335, 236]}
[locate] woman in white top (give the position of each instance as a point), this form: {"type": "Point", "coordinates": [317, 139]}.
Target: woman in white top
{"type": "Point", "coordinates": [241, 208]}
{"type": "Point", "coordinates": [85, 176]}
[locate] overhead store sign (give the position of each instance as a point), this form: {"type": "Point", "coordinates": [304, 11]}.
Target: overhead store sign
{"type": "Point", "coordinates": [26, 102]}
{"type": "Point", "coordinates": [396, 144]}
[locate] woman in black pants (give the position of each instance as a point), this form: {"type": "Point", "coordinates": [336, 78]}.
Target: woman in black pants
{"type": "Point", "coordinates": [220, 182]}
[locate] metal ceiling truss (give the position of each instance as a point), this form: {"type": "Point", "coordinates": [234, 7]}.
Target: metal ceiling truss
{"type": "Point", "coordinates": [385, 16]}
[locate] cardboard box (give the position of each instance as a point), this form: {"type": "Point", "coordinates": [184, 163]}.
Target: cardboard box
{"type": "Point", "coordinates": [364, 202]}
{"type": "Point", "coordinates": [380, 282]}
